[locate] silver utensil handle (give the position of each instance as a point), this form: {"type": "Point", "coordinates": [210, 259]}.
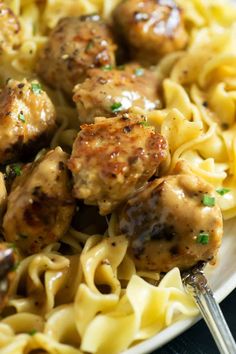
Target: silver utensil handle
{"type": "Point", "coordinates": [196, 285]}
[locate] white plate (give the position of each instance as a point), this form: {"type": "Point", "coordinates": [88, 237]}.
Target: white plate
{"type": "Point", "coordinates": [222, 279]}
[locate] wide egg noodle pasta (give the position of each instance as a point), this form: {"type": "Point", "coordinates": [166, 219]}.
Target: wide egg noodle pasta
{"type": "Point", "coordinates": [200, 105]}
{"type": "Point", "coordinates": [93, 299]}
{"type": "Point", "coordinates": [141, 312]}
{"type": "Point", "coordinates": [66, 327]}
{"type": "Point", "coordinates": [127, 313]}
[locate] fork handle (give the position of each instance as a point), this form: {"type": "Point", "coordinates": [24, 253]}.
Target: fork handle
{"type": "Point", "coordinates": [196, 285]}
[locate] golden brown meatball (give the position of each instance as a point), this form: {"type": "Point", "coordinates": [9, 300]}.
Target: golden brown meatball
{"type": "Point", "coordinates": [8, 260]}
{"type": "Point", "coordinates": [172, 222]}
{"type": "Point", "coordinates": [113, 158]}
{"type": "Point", "coordinates": [151, 28]}
{"type": "Point", "coordinates": [74, 46]}
{"type": "Point", "coordinates": [108, 91]}
{"type": "Point", "coordinates": [27, 119]}
{"type": "Point", "coordinates": [10, 36]}
{"type": "Point", "coordinates": [40, 205]}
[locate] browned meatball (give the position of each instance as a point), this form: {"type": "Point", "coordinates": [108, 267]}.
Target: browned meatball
{"type": "Point", "coordinates": [27, 119]}
{"type": "Point", "coordinates": [40, 205]}
{"type": "Point", "coordinates": [10, 36]}
{"type": "Point", "coordinates": [74, 46]}
{"type": "Point", "coordinates": [8, 260]}
{"type": "Point", "coordinates": [151, 28]}
{"type": "Point", "coordinates": [113, 158]}
{"type": "Point", "coordinates": [172, 222]}
{"type": "Point", "coordinates": [108, 91]}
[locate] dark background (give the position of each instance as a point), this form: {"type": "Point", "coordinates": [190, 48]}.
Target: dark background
{"type": "Point", "coordinates": [198, 340]}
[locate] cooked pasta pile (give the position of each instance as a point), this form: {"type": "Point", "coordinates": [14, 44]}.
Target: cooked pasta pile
{"type": "Point", "coordinates": [93, 300]}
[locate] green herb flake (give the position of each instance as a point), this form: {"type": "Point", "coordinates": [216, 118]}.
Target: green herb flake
{"type": "Point", "coordinates": [207, 200]}
{"type": "Point", "coordinates": [13, 246]}
{"type": "Point", "coordinates": [32, 332]}
{"type": "Point", "coordinates": [21, 117]}
{"type": "Point", "coordinates": [203, 238]}
{"type": "Point", "coordinates": [89, 46]}
{"type": "Point", "coordinates": [16, 169]}
{"type": "Point", "coordinates": [23, 236]}
{"type": "Point", "coordinates": [116, 107]}
{"type": "Point", "coordinates": [36, 88]}
{"type": "Point", "coordinates": [16, 265]}
{"type": "Point", "coordinates": [144, 123]}
{"type": "Point", "coordinates": [120, 67]}
{"type": "Point", "coordinates": [139, 72]}
{"type": "Point", "coordinates": [107, 67]}
{"type": "Point", "coordinates": [222, 191]}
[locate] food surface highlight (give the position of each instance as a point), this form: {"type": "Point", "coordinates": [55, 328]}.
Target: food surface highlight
{"type": "Point", "coordinates": [74, 46]}
{"type": "Point", "coordinates": [40, 205]}
{"type": "Point", "coordinates": [113, 158]}
{"type": "Point", "coordinates": [172, 223]}
{"type": "Point", "coordinates": [8, 259]}
{"type": "Point", "coordinates": [10, 34]}
{"type": "Point", "coordinates": [27, 120]}
{"type": "Point", "coordinates": [110, 91]}
{"type": "Point", "coordinates": [151, 28]}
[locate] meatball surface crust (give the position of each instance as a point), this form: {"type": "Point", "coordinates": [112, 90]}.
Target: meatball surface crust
{"type": "Point", "coordinates": [10, 33]}
{"type": "Point", "coordinates": [40, 205]}
{"type": "Point", "coordinates": [151, 28]}
{"type": "Point", "coordinates": [169, 225]}
{"type": "Point", "coordinates": [75, 45]}
{"type": "Point", "coordinates": [113, 158]}
{"type": "Point", "coordinates": [27, 119]}
{"type": "Point", "coordinates": [109, 91]}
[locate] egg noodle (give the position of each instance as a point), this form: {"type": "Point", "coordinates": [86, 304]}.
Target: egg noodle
{"type": "Point", "coordinates": [94, 300]}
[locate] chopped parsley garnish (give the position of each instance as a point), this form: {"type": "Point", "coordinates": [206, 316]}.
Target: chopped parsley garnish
{"type": "Point", "coordinates": [32, 332]}
{"type": "Point", "coordinates": [144, 123]}
{"type": "Point", "coordinates": [21, 117]}
{"type": "Point", "coordinates": [16, 169]}
{"type": "Point", "coordinates": [107, 67]}
{"type": "Point", "coordinates": [13, 246]}
{"type": "Point", "coordinates": [16, 265]}
{"type": "Point", "coordinates": [36, 88]}
{"type": "Point", "coordinates": [207, 200]}
{"type": "Point", "coordinates": [121, 67]}
{"type": "Point", "coordinates": [139, 72]}
{"type": "Point", "coordinates": [222, 191]}
{"type": "Point", "coordinates": [203, 238]}
{"type": "Point", "coordinates": [89, 46]}
{"type": "Point", "coordinates": [116, 107]}
{"type": "Point", "coordinates": [12, 171]}
{"type": "Point", "coordinates": [23, 236]}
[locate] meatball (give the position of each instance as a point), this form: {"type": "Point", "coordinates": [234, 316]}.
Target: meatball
{"type": "Point", "coordinates": [8, 260]}
{"type": "Point", "coordinates": [40, 205]}
{"type": "Point", "coordinates": [172, 222]}
{"type": "Point", "coordinates": [113, 158]}
{"type": "Point", "coordinates": [74, 46]}
{"type": "Point", "coordinates": [27, 119]}
{"type": "Point", "coordinates": [10, 34]}
{"type": "Point", "coordinates": [151, 28]}
{"type": "Point", "coordinates": [108, 91]}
